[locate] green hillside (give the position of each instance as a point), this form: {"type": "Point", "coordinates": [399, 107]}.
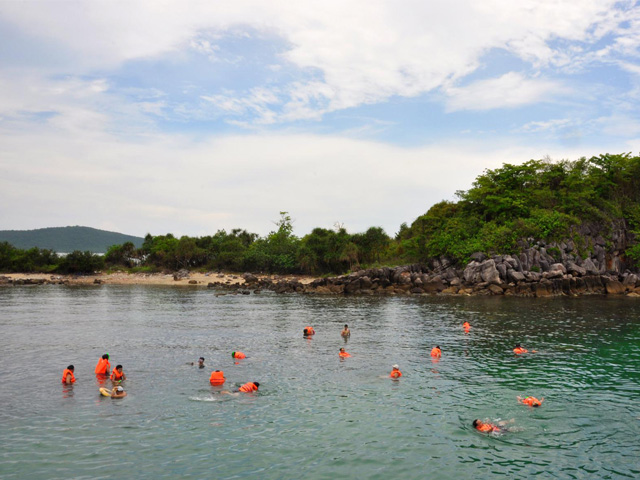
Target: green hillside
{"type": "Point", "coordinates": [67, 239]}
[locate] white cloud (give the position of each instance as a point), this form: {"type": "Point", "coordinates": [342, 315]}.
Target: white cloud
{"type": "Point", "coordinates": [508, 91]}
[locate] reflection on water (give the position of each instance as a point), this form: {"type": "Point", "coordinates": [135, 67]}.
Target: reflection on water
{"type": "Point", "coordinates": [316, 416]}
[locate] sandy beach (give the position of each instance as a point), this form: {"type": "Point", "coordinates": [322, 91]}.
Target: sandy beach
{"type": "Point", "coordinates": [194, 279]}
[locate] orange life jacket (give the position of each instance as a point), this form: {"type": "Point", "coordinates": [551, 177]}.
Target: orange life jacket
{"type": "Point", "coordinates": [217, 378]}
{"type": "Point", "coordinates": [102, 366]}
{"type": "Point", "coordinates": [486, 427]}
{"type": "Point", "coordinates": [68, 372]}
{"type": "Point", "coordinates": [239, 355]}
{"type": "Point", "coordinates": [248, 387]}
{"type": "Point", "coordinates": [344, 354]}
{"type": "Point", "coordinates": [115, 375]}
{"type": "Point", "coordinates": [520, 350]}
{"type": "Point", "coordinates": [436, 352]}
{"type": "Point", "coordinates": [395, 374]}
{"type": "Point", "coordinates": [531, 401]}
{"type": "Point", "coordinates": [310, 331]}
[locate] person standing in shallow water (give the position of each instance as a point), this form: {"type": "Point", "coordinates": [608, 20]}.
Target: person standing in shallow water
{"type": "Point", "coordinates": [345, 331]}
{"type": "Point", "coordinates": [103, 367]}
{"type": "Point", "coordinates": [67, 375]}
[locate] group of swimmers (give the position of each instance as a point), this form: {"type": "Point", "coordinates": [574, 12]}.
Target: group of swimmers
{"type": "Point", "coordinates": [217, 378]}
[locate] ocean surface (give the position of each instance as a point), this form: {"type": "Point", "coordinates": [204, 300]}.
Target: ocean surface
{"type": "Point", "coordinates": [316, 416]}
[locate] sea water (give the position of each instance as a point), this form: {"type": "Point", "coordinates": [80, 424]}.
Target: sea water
{"type": "Point", "coordinates": [316, 416]}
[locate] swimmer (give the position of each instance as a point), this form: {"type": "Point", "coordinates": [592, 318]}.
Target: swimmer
{"type": "Point", "coordinates": [67, 375]}
{"type": "Point", "coordinates": [200, 362]}
{"type": "Point", "coordinates": [346, 332]}
{"type": "Point", "coordinates": [238, 355]}
{"type": "Point", "coordinates": [217, 377]}
{"type": "Point", "coordinates": [118, 392]}
{"type": "Point", "coordinates": [103, 367]}
{"type": "Point", "coordinates": [518, 350]}
{"type": "Point", "coordinates": [436, 352]}
{"type": "Point", "coordinates": [485, 426]}
{"type": "Point", "coordinates": [395, 372]}
{"type": "Point", "coordinates": [308, 331]}
{"type": "Point", "coordinates": [249, 387]}
{"type": "Point", "coordinates": [118, 375]}
{"type": "Point", "coordinates": [466, 326]}
{"type": "Point", "coordinates": [343, 354]}
{"type": "Point", "coordinates": [531, 401]}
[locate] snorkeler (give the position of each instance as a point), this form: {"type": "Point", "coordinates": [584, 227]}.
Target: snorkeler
{"type": "Point", "coordinates": [436, 352]}
{"type": "Point", "coordinates": [395, 372]}
{"type": "Point", "coordinates": [118, 375]}
{"type": "Point", "coordinates": [343, 354]}
{"type": "Point", "coordinates": [103, 367]}
{"type": "Point", "coordinates": [531, 401]}
{"type": "Point", "coordinates": [67, 375]}
{"type": "Point", "coordinates": [346, 332]}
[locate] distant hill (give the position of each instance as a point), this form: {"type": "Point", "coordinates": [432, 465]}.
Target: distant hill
{"type": "Point", "coordinates": [67, 239]}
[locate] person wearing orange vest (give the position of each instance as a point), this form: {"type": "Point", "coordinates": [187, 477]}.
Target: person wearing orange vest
{"type": "Point", "coordinates": [238, 355]}
{"type": "Point", "coordinates": [103, 367]}
{"type": "Point", "coordinates": [249, 387]}
{"type": "Point", "coordinates": [531, 401]}
{"type": "Point", "coordinates": [436, 352]}
{"type": "Point", "coordinates": [519, 350]}
{"type": "Point", "coordinates": [67, 375]}
{"type": "Point", "coordinates": [485, 426]}
{"type": "Point", "coordinates": [307, 331]}
{"type": "Point", "coordinates": [118, 375]}
{"type": "Point", "coordinates": [395, 373]}
{"type": "Point", "coordinates": [217, 377]}
{"type": "Point", "coordinates": [466, 326]}
{"type": "Point", "coordinates": [343, 354]}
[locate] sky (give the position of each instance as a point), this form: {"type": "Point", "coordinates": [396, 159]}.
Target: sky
{"type": "Point", "coordinates": [188, 117]}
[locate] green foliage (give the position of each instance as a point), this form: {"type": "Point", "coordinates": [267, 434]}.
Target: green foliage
{"type": "Point", "coordinates": [80, 262]}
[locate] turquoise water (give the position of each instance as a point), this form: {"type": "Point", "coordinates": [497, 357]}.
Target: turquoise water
{"type": "Point", "coordinates": [316, 416]}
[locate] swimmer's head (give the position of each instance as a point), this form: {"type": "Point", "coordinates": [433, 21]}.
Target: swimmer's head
{"type": "Point", "coordinates": [119, 367]}
{"type": "Point", "coordinates": [105, 356]}
{"type": "Point", "coordinates": [476, 423]}
{"type": "Point", "coordinates": [395, 367]}
{"type": "Point", "coordinates": [342, 349]}
{"type": "Point", "coordinates": [256, 384]}
{"type": "Point", "coordinates": [201, 359]}
{"type": "Point", "coordinates": [346, 326]}
{"type": "Point", "coordinates": [438, 347]}
{"type": "Point", "coordinates": [71, 367]}
{"type": "Point", "coordinates": [517, 345]}
{"type": "Point", "coordinates": [119, 389]}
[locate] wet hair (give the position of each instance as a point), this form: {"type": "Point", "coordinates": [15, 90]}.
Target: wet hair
{"type": "Point", "coordinates": [476, 422]}
{"type": "Point", "coordinates": [71, 367]}
{"type": "Point", "coordinates": [256, 384]}
{"type": "Point", "coordinates": [105, 356]}
{"type": "Point", "coordinates": [517, 345]}
{"type": "Point", "coordinates": [342, 349]}
{"type": "Point", "coordinates": [201, 358]}
{"type": "Point", "coordinates": [535, 404]}
{"type": "Point", "coordinates": [346, 326]}
{"type": "Point", "coordinates": [438, 347]}
{"type": "Point", "coordinates": [118, 366]}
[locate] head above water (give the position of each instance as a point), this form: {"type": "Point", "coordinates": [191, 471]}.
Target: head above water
{"type": "Point", "coordinates": [342, 349]}
{"type": "Point", "coordinates": [517, 345]}
{"type": "Point", "coordinates": [256, 384]}
{"type": "Point", "coordinates": [119, 367]}
{"type": "Point", "coordinates": [346, 326]}
{"type": "Point", "coordinates": [396, 367]}
{"type": "Point", "coordinates": [71, 367]}
{"type": "Point", "coordinates": [105, 356]}
{"type": "Point", "coordinates": [201, 359]}
{"type": "Point", "coordinates": [477, 422]}
{"type": "Point", "coordinates": [119, 389]}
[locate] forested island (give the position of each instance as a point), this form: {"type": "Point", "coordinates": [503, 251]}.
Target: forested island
{"type": "Point", "coordinates": [556, 224]}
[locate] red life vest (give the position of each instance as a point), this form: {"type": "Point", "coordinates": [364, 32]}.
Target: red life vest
{"type": "Point", "coordinates": [531, 401]}
{"type": "Point", "coordinates": [520, 350]}
{"type": "Point", "coordinates": [344, 354]}
{"type": "Point", "coordinates": [436, 352]}
{"type": "Point", "coordinates": [68, 372]}
{"type": "Point", "coordinates": [217, 377]}
{"type": "Point", "coordinates": [239, 355]}
{"type": "Point", "coordinates": [115, 375]}
{"type": "Point", "coordinates": [395, 374]}
{"type": "Point", "coordinates": [248, 387]}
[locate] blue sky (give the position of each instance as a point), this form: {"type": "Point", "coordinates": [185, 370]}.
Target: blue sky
{"type": "Point", "coordinates": [189, 117]}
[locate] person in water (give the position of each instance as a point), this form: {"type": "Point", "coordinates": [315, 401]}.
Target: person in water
{"type": "Point", "coordinates": [118, 392]}
{"type": "Point", "coordinates": [308, 331]}
{"type": "Point", "coordinates": [395, 372]}
{"type": "Point", "coordinates": [485, 427]}
{"type": "Point", "coordinates": [345, 331]}
{"type": "Point", "coordinates": [217, 377]}
{"type": "Point", "coordinates": [249, 387]}
{"type": "Point", "coordinates": [436, 352]}
{"type": "Point", "coordinates": [200, 362]}
{"type": "Point", "coordinates": [118, 375]}
{"type": "Point", "coordinates": [518, 350]}
{"type": "Point", "coordinates": [67, 375]}
{"type": "Point", "coordinates": [238, 355]}
{"type": "Point", "coordinates": [466, 326]}
{"type": "Point", "coordinates": [343, 354]}
{"type": "Point", "coordinates": [531, 401]}
{"type": "Point", "coordinates": [103, 367]}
